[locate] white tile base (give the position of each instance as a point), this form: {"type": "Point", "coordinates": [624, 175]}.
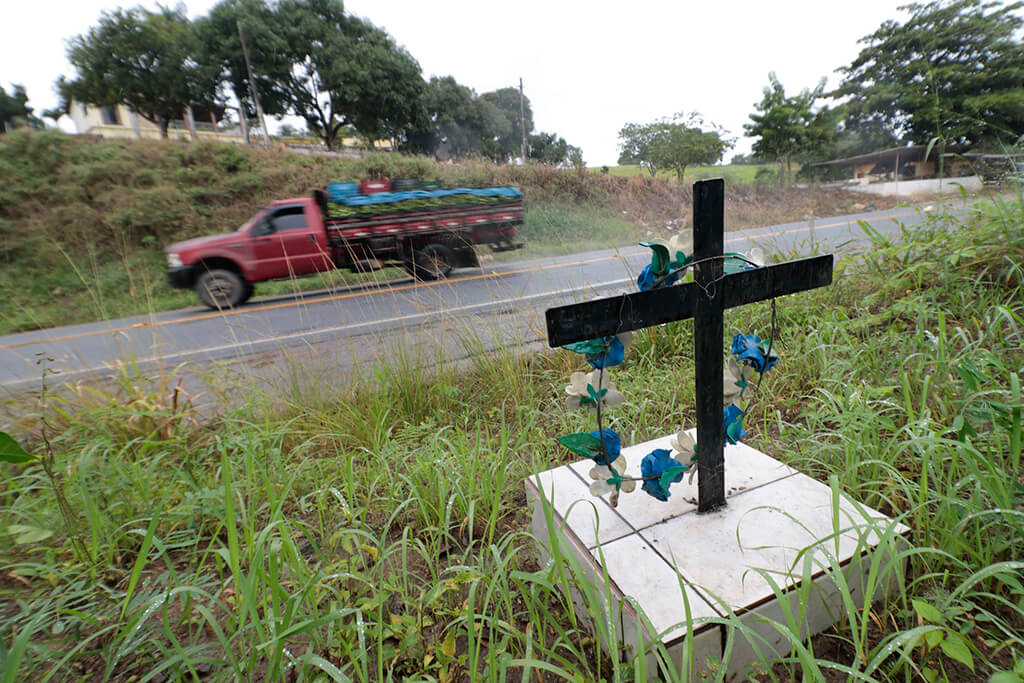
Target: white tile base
{"type": "Point", "coordinates": [780, 528]}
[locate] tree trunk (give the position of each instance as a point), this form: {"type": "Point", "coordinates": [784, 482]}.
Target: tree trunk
{"type": "Point", "coordinates": [782, 172]}
{"type": "Point", "coordinates": [789, 170]}
{"type": "Point", "coordinates": [164, 123]}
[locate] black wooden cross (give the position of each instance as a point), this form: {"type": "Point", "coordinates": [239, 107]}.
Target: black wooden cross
{"type": "Point", "coordinates": [704, 300]}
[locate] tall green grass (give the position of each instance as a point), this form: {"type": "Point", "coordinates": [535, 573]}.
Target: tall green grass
{"type": "Point", "coordinates": [381, 532]}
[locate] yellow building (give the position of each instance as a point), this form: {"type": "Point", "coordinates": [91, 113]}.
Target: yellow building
{"type": "Point", "coordinates": [121, 122]}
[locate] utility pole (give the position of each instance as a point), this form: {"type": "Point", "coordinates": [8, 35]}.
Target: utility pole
{"type": "Point", "coordinates": [522, 118]}
{"type": "Point", "coordinates": [252, 85]}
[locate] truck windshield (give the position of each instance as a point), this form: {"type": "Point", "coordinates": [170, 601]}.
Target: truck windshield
{"type": "Point", "coordinates": [248, 224]}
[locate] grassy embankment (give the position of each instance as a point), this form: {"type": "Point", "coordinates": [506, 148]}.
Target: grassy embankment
{"type": "Point", "coordinates": [385, 536]}
{"type": "Point", "coordinates": [83, 223]}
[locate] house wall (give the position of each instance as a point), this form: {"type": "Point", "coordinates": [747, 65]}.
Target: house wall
{"type": "Point", "coordinates": [906, 188]}
{"type": "Point", "coordinates": [121, 123]}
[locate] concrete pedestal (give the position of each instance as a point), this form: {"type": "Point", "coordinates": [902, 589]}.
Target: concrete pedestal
{"type": "Point", "coordinates": [709, 587]}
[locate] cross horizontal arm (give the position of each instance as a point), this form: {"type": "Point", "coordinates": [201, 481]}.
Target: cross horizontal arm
{"type": "Point", "coordinates": [605, 317]}
{"type": "Point", "coordinates": [612, 315]}
{"type": "Point", "coordinates": [768, 282]}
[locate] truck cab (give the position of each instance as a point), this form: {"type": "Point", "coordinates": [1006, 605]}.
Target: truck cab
{"type": "Point", "coordinates": [285, 239]}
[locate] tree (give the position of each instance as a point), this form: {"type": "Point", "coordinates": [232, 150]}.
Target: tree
{"type": "Point", "coordinates": [787, 126]}
{"type": "Point", "coordinates": [142, 59]}
{"type": "Point", "coordinates": [549, 148]}
{"type": "Point", "coordinates": [345, 71]}
{"type": "Point", "coordinates": [672, 143]}
{"type": "Point", "coordinates": [503, 123]}
{"type": "Point", "coordinates": [683, 141]}
{"type": "Point", "coordinates": [220, 49]}
{"type": "Point", "coordinates": [14, 110]}
{"type": "Point", "coordinates": [954, 70]}
{"type": "Point", "coordinates": [635, 144]}
{"type": "Point", "coordinates": [452, 116]}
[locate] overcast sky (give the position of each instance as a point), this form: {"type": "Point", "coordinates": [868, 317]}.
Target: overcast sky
{"type": "Point", "coordinates": [587, 67]}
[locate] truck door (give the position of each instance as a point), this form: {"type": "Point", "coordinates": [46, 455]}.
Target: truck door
{"type": "Point", "coordinates": [285, 242]}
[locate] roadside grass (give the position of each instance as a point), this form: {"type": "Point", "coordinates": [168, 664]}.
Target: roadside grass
{"type": "Point", "coordinates": [379, 530]}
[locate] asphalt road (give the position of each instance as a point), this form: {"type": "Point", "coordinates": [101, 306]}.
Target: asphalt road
{"type": "Point", "coordinates": [496, 305]}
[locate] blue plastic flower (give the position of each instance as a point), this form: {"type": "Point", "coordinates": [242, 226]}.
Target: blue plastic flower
{"type": "Point", "coordinates": [611, 356]}
{"type": "Point", "coordinates": [648, 277]}
{"type": "Point", "coordinates": [612, 446]}
{"type": "Point", "coordinates": [732, 417]}
{"type": "Point", "coordinates": [751, 349]}
{"type": "Point", "coordinates": [655, 464]}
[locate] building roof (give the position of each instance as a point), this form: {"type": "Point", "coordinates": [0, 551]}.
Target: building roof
{"type": "Point", "coordinates": [889, 156]}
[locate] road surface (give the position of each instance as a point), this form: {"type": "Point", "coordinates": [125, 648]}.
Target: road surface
{"type": "Point", "coordinates": [476, 310]}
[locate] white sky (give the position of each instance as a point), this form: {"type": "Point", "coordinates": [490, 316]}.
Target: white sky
{"type": "Point", "coordinates": [587, 67]}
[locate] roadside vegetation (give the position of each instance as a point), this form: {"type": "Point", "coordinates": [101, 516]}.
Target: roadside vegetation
{"type": "Point", "coordinates": [379, 531]}
{"type": "Point", "coordinates": [83, 222]}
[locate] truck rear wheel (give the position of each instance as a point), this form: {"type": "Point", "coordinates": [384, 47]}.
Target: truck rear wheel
{"type": "Point", "coordinates": [432, 262]}
{"type": "Point", "coordinates": [220, 289]}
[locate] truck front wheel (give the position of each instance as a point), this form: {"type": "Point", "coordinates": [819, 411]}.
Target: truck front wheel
{"type": "Point", "coordinates": [220, 289]}
{"type": "Point", "coordinates": [432, 262]}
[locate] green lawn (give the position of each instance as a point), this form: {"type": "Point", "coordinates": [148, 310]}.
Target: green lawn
{"type": "Point", "coordinates": [734, 174]}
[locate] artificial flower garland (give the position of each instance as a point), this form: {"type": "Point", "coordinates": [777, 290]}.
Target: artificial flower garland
{"type": "Point", "coordinates": [594, 390]}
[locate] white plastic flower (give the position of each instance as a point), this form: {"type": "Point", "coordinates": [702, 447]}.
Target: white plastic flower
{"type": "Point", "coordinates": [602, 473]}
{"type": "Point", "coordinates": [734, 380]}
{"type": "Point", "coordinates": [681, 241]}
{"type": "Point", "coordinates": [579, 394]}
{"type": "Point", "coordinates": [685, 445]}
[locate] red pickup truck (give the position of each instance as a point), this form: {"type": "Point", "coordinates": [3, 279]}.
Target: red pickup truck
{"type": "Point", "coordinates": [427, 233]}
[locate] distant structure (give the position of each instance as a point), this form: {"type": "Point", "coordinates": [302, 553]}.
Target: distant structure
{"type": "Point", "coordinates": [905, 171]}
{"type": "Point", "coordinates": [121, 122]}
{"type": "Point", "coordinates": [196, 124]}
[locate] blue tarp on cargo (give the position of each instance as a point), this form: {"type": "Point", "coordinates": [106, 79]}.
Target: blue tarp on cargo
{"type": "Point", "coordinates": [391, 197]}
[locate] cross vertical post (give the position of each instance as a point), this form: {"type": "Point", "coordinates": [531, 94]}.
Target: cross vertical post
{"type": "Point", "coordinates": [708, 243]}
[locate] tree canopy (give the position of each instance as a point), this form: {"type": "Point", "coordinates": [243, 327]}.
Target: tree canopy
{"type": "Point", "coordinates": [788, 125]}
{"type": "Point", "coordinates": [672, 144]}
{"type": "Point", "coordinates": [328, 67]}
{"type": "Point", "coordinates": [549, 148]}
{"type": "Point", "coordinates": [220, 48]}
{"type": "Point", "coordinates": [954, 70]}
{"type": "Point", "coordinates": [503, 123]}
{"type": "Point", "coordinates": [143, 59]}
{"type": "Point", "coordinates": [14, 110]}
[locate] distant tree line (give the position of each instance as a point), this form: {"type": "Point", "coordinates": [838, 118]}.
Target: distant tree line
{"type": "Point", "coordinates": [310, 59]}
{"type": "Point", "coordinates": [14, 110]}
{"type": "Point", "coordinates": [952, 73]}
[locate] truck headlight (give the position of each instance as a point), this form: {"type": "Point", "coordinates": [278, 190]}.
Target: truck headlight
{"type": "Point", "coordinates": [173, 260]}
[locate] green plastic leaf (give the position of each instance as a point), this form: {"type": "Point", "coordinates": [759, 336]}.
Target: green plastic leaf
{"type": "Point", "coordinates": [733, 431]}
{"type": "Point", "coordinates": [581, 443]}
{"type": "Point", "coordinates": [668, 475]}
{"type": "Point", "coordinates": [679, 261]}
{"type": "Point", "coordinates": [659, 257]}
{"type": "Point", "coordinates": [590, 346]}
{"type": "Point", "coordinates": [28, 534]}
{"type": "Point", "coordinates": [11, 450]}
{"type": "Point", "coordinates": [927, 612]}
{"type": "Point", "coordinates": [956, 647]}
